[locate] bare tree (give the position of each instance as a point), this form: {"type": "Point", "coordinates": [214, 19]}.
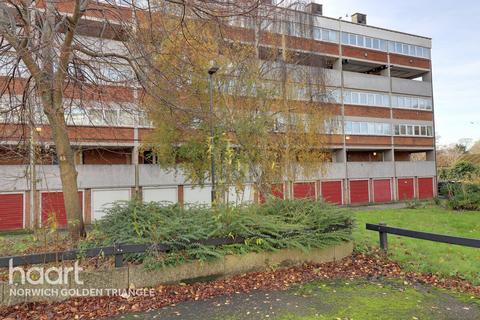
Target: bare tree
{"type": "Point", "coordinates": [271, 104]}
{"type": "Point", "coordinates": [55, 64]}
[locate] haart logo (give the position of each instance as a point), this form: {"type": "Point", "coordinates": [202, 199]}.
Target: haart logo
{"type": "Point", "coordinates": [39, 276]}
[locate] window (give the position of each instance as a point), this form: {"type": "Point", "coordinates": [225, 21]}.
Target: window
{"type": "Point", "coordinates": [413, 130]}
{"type": "Point", "coordinates": [363, 98]}
{"type": "Point", "coordinates": [410, 130]}
{"type": "Point", "coordinates": [376, 44]}
{"type": "Point", "coordinates": [368, 42]}
{"type": "Point", "coordinates": [371, 99]}
{"type": "Point", "coordinates": [355, 98]}
{"type": "Point", "coordinates": [332, 36]}
{"type": "Point", "coordinates": [423, 131]}
{"type": "Point", "coordinates": [410, 102]}
{"type": "Point", "coordinates": [360, 41]}
{"type": "Point", "coordinates": [344, 38]}
{"type": "Point", "coordinates": [367, 128]}
{"type": "Point", "coordinates": [353, 39]}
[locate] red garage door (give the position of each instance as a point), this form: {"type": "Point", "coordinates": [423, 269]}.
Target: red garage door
{"type": "Point", "coordinates": [276, 191]}
{"type": "Point", "coordinates": [304, 190]}
{"type": "Point", "coordinates": [53, 206]}
{"type": "Point", "coordinates": [359, 192]}
{"type": "Point", "coordinates": [405, 189]}
{"type": "Point", "coordinates": [425, 188]}
{"type": "Point", "coordinates": [382, 191]}
{"type": "Point", "coordinates": [332, 191]}
{"type": "Point", "coordinates": [11, 211]}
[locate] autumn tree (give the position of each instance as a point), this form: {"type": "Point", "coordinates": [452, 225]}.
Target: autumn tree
{"type": "Point", "coordinates": [270, 111]}
{"type": "Point", "coordinates": [50, 61]}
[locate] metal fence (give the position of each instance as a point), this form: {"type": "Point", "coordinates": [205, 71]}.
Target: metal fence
{"type": "Point", "coordinates": [383, 230]}
{"type": "Point", "coordinates": [117, 250]}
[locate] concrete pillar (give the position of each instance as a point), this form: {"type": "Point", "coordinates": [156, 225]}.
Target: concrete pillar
{"type": "Point", "coordinates": [388, 155]}
{"type": "Point", "coordinates": [427, 77]}
{"type": "Point", "coordinates": [430, 155]}
{"type": "Point", "coordinates": [339, 156]}
{"type": "Point", "coordinates": [337, 65]}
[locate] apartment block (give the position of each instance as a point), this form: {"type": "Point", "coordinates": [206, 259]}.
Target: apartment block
{"type": "Point", "coordinates": [383, 149]}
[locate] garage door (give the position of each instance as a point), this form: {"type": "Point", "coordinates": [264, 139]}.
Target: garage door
{"type": "Point", "coordinates": [382, 191]}
{"type": "Point", "coordinates": [104, 199]}
{"type": "Point", "coordinates": [304, 190]}
{"type": "Point", "coordinates": [359, 192]}
{"type": "Point", "coordinates": [405, 189]}
{"type": "Point", "coordinates": [54, 208]}
{"type": "Point", "coordinates": [238, 196]}
{"type": "Point", "coordinates": [197, 195]}
{"type": "Point", "coordinates": [11, 211]}
{"type": "Point", "coordinates": [425, 188]}
{"type": "Point", "coordinates": [276, 191]}
{"type": "Point", "coordinates": [160, 195]}
{"type": "Point", "coordinates": [332, 191]}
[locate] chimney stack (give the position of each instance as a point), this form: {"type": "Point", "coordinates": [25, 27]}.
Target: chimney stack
{"type": "Point", "coordinates": [315, 8]}
{"type": "Point", "coordinates": [359, 18]}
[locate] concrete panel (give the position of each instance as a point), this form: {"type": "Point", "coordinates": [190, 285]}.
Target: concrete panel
{"type": "Point", "coordinates": [332, 77]}
{"type": "Point", "coordinates": [355, 80]}
{"type": "Point", "coordinates": [411, 87]}
{"type": "Point", "coordinates": [13, 177]}
{"type": "Point", "coordinates": [370, 169]}
{"type": "Point", "coordinates": [197, 195]}
{"type": "Point", "coordinates": [160, 194]}
{"type": "Point", "coordinates": [104, 199]}
{"type": "Point", "coordinates": [415, 168]}
{"type": "Point", "coordinates": [241, 197]}
{"type": "Point", "coordinates": [333, 171]}
{"type": "Point", "coordinates": [153, 175]}
{"type": "Point", "coordinates": [106, 176]}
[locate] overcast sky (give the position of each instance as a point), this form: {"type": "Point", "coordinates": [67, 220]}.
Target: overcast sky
{"type": "Point", "coordinates": [454, 27]}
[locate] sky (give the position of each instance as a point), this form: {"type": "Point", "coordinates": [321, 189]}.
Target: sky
{"type": "Point", "coordinates": [454, 27]}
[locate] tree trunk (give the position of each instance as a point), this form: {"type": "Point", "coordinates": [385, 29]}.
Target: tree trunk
{"type": "Point", "coordinates": [68, 172]}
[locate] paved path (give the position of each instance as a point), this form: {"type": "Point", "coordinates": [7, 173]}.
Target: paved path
{"type": "Point", "coordinates": [359, 300]}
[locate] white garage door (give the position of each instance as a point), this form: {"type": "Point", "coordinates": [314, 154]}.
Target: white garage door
{"type": "Point", "coordinates": [160, 194]}
{"type": "Point", "coordinates": [197, 195]}
{"type": "Point", "coordinates": [241, 196]}
{"type": "Point", "coordinates": [103, 199]}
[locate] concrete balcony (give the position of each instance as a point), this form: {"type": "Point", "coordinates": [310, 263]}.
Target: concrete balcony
{"type": "Point", "coordinates": [415, 168]}
{"type": "Point", "coordinates": [358, 170]}
{"type": "Point", "coordinates": [17, 177]}
{"type": "Point", "coordinates": [412, 87]}
{"type": "Point", "coordinates": [355, 80]}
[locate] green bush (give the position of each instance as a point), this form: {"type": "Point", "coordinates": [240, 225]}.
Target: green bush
{"type": "Point", "coordinates": [463, 196]}
{"type": "Point", "coordinates": [274, 225]}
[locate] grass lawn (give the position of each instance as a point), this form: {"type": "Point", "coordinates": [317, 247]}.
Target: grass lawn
{"type": "Point", "coordinates": [422, 255]}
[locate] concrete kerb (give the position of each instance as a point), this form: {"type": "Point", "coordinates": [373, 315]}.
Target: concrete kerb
{"type": "Point", "coordinates": [138, 277]}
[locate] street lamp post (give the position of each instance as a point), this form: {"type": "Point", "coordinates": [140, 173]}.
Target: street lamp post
{"type": "Point", "coordinates": [211, 72]}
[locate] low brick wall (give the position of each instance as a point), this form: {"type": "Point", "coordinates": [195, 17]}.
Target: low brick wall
{"type": "Point", "coordinates": [138, 277]}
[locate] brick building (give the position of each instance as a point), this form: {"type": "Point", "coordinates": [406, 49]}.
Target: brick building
{"type": "Point", "coordinates": [384, 151]}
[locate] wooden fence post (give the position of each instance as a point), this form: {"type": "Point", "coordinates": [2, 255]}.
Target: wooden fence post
{"type": "Point", "coordinates": [383, 238]}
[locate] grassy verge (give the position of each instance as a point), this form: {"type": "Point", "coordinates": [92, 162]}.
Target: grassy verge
{"type": "Point", "coordinates": [420, 255]}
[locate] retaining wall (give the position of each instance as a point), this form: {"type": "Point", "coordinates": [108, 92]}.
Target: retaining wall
{"type": "Point", "coordinates": [137, 276]}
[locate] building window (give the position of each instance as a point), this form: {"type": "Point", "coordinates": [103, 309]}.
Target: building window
{"type": "Point", "coordinates": [367, 128]}
{"type": "Point", "coordinates": [413, 130]}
